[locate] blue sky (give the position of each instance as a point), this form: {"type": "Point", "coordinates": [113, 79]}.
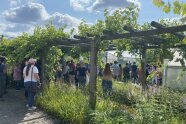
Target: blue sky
{"type": "Point", "coordinates": [19, 16]}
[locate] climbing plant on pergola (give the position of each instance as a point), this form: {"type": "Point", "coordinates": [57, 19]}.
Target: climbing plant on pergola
{"type": "Point", "coordinates": [145, 35]}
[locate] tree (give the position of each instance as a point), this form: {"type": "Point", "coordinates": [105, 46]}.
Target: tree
{"type": "Point", "coordinates": [38, 45]}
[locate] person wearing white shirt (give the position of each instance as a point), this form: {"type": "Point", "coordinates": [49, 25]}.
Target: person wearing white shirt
{"type": "Point", "coordinates": [115, 70]}
{"type": "Point", "coordinates": [31, 77]}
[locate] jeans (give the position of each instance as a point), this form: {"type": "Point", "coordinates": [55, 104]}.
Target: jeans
{"type": "Point", "coordinates": [18, 84]}
{"type": "Point", "coordinates": [31, 94]}
{"type": "Point", "coordinates": [107, 87]}
{"type": "Point", "coordinates": [82, 82]}
{"type": "Point", "coordinates": [2, 87]}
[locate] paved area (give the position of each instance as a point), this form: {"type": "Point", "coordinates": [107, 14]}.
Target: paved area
{"type": "Point", "coordinates": [13, 110]}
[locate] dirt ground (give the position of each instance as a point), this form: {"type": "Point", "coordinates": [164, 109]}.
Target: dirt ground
{"type": "Point", "coordinates": [13, 110]}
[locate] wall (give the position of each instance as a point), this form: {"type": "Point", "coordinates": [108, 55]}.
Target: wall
{"type": "Point", "coordinates": [176, 78]}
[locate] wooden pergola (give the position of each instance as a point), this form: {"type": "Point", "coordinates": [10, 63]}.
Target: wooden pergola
{"type": "Point", "coordinates": [146, 37]}
{"type": "Point", "coordinates": [141, 37]}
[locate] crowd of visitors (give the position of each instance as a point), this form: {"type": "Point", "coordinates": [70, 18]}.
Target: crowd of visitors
{"type": "Point", "coordinates": [76, 75]}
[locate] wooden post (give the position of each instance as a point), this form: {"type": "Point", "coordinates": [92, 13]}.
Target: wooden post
{"type": "Point", "coordinates": [106, 56]}
{"type": "Point", "coordinates": [93, 75]}
{"type": "Point", "coordinates": [143, 65]}
{"type": "Point", "coordinates": [43, 77]}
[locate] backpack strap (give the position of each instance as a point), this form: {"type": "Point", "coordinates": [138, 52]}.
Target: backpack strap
{"type": "Point", "coordinates": [31, 73]}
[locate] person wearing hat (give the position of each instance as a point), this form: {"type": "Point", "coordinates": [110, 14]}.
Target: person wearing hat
{"type": "Point", "coordinates": [31, 77]}
{"type": "Point", "coordinates": [2, 76]}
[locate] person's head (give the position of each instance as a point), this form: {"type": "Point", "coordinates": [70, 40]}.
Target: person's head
{"type": "Point", "coordinates": [72, 61]}
{"type": "Point", "coordinates": [68, 62]}
{"type": "Point", "coordinates": [120, 65]}
{"type": "Point", "coordinates": [107, 70]}
{"type": "Point", "coordinates": [17, 64]}
{"type": "Point", "coordinates": [127, 64]}
{"type": "Point", "coordinates": [115, 62]}
{"type": "Point", "coordinates": [134, 63]}
{"type": "Point", "coordinates": [2, 59]}
{"type": "Point", "coordinates": [82, 64]}
{"type": "Point", "coordinates": [32, 61]}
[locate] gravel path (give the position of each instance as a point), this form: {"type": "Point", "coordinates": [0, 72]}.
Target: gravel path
{"type": "Point", "coordinates": [13, 111]}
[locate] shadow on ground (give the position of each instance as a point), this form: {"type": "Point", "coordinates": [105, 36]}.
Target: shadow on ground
{"type": "Point", "coordinates": [13, 110]}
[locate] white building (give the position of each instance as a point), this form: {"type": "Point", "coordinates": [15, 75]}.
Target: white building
{"type": "Point", "coordinates": [174, 74]}
{"type": "Point", "coordinates": [126, 57]}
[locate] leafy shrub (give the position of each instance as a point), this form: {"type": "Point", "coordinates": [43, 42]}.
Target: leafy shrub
{"type": "Point", "coordinates": [66, 103]}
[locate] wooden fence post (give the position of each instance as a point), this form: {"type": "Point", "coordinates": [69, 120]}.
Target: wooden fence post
{"type": "Point", "coordinates": [93, 75]}
{"type": "Point", "coordinates": [143, 65]}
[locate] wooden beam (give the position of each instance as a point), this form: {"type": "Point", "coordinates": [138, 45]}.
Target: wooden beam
{"type": "Point", "coordinates": [93, 75]}
{"type": "Point", "coordinates": [73, 45]}
{"type": "Point", "coordinates": [83, 38]}
{"type": "Point", "coordinates": [160, 26]}
{"type": "Point", "coordinates": [68, 42]}
{"type": "Point", "coordinates": [146, 33]}
{"type": "Point", "coordinates": [149, 39]}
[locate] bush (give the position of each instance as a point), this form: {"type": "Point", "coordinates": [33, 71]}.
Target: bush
{"type": "Point", "coordinates": [126, 105]}
{"type": "Point", "coordinates": [65, 103]}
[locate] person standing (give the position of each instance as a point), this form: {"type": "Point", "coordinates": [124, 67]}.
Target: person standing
{"type": "Point", "coordinates": [81, 76]}
{"type": "Point", "coordinates": [72, 69]}
{"type": "Point", "coordinates": [31, 76]}
{"type": "Point", "coordinates": [134, 72]}
{"type": "Point", "coordinates": [107, 80]}
{"type": "Point", "coordinates": [66, 72]}
{"type": "Point", "coordinates": [126, 73]}
{"type": "Point", "coordinates": [120, 72]}
{"type": "Point", "coordinates": [2, 77]}
{"type": "Point", "coordinates": [17, 76]}
{"type": "Point", "coordinates": [116, 70]}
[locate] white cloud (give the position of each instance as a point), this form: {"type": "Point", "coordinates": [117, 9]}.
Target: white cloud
{"type": "Point", "coordinates": [97, 5]}
{"type": "Point", "coordinates": [25, 17]}
{"type": "Point", "coordinates": [14, 30]}
{"type": "Point", "coordinates": [106, 4]}
{"type": "Point", "coordinates": [59, 20]}
{"type": "Point", "coordinates": [14, 3]}
{"type": "Point", "coordinates": [29, 13]}
{"type": "Point", "coordinates": [80, 4]}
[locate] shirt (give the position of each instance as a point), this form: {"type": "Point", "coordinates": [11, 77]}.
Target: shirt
{"type": "Point", "coordinates": [82, 71]}
{"type": "Point", "coordinates": [116, 70]}
{"type": "Point", "coordinates": [28, 77]}
{"type": "Point", "coordinates": [17, 73]}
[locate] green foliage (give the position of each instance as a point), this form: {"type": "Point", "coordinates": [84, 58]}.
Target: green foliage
{"type": "Point", "coordinates": [158, 3]}
{"type": "Point", "coordinates": [178, 6]}
{"type": "Point", "coordinates": [164, 108]}
{"type": "Point", "coordinates": [71, 106]}
{"type": "Point", "coordinates": [167, 8]}
{"type": "Point", "coordinates": [39, 45]}
{"type": "Point", "coordinates": [66, 103]}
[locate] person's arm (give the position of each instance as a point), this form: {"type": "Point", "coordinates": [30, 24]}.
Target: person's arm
{"type": "Point", "coordinates": [36, 75]}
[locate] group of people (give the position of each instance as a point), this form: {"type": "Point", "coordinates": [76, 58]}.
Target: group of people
{"type": "Point", "coordinates": [73, 74]}
{"type": "Point", "coordinates": [130, 72]}
{"type": "Point", "coordinates": [30, 75]}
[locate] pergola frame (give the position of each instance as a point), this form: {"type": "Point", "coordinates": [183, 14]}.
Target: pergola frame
{"type": "Point", "coordinates": [92, 42]}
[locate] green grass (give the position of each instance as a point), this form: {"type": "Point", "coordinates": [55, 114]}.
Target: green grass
{"type": "Point", "coordinates": [126, 105]}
